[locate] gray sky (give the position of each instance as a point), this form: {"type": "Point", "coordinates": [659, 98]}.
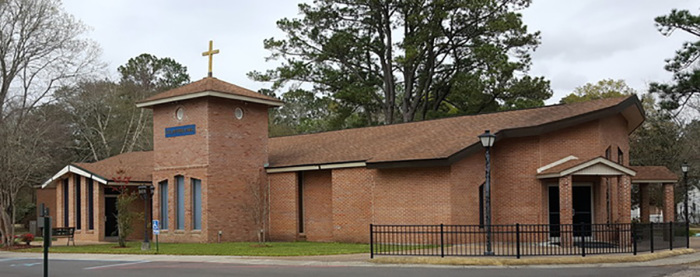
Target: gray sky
{"type": "Point", "coordinates": [582, 41]}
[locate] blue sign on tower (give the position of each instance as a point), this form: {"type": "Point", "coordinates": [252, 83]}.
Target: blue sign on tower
{"type": "Point", "coordinates": [180, 131]}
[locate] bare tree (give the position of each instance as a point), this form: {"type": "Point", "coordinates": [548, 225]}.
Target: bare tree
{"type": "Point", "coordinates": [40, 49]}
{"type": "Point", "coordinates": [258, 206]}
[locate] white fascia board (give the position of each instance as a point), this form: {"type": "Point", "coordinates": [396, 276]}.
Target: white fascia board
{"type": "Point", "coordinates": [343, 165]}
{"type": "Point", "coordinates": [601, 160]}
{"type": "Point", "coordinates": [556, 163]}
{"type": "Point", "coordinates": [209, 93]}
{"type": "Point", "coordinates": [654, 181]}
{"type": "Point", "coordinates": [292, 169]}
{"type": "Point", "coordinates": [76, 170]}
{"type": "Point", "coordinates": [573, 170]}
{"type": "Point", "coordinates": [315, 167]}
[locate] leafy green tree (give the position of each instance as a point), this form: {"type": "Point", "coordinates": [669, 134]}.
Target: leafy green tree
{"type": "Point", "coordinates": [382, 62]}
{"type": "Point", "coordinates": [607, 88]}
{"type": "Point", "coordinates": [684, 66]}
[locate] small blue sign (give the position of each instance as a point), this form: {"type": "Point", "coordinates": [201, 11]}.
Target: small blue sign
{"type": "Point", "coordinates": [156, 227]}
{"type": "Point", "coordinates": [180, 131]}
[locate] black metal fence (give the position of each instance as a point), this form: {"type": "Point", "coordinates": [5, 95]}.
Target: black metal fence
{"type": "Point", "coordinates": [526, 239]}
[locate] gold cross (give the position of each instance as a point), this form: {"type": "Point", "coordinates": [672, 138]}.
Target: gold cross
{"type": "Point", "coordinates": [210, 53]}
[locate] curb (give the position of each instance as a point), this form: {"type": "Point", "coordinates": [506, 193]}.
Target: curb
{"type": "Point", "coordinates": [538, 261]}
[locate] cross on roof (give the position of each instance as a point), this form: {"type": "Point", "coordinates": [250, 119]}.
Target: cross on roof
{"type": "Point", "coordinates": [210, 53]}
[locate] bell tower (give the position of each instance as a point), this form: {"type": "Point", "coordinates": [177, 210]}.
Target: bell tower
{"type": "Point", "coordinates": [210, 143]}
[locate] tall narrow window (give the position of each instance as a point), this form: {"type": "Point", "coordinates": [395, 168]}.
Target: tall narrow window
{"type": "Point", "coordinates": [620, 156]}
{"type": "Point", "coordinates": [91, 204]}
{"type": "Point", "coordinates": [196, 204]}
{"type": "Point", "coordinates": [607, 153]}
{"type": "Point", "coordinates": [481, 206]}
{"type": "Point", "coordinates": [78, 205]}
{"type": "Point", "coordinates": [300, 200]}
{"type": "Point", "coordinates": [180, 202]}
{"type": "Point", "coordinates": [65, 203]}
{"type": "Point", "coordinates": [163, 189]}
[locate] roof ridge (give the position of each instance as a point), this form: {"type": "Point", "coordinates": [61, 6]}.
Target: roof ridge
{"type": "Point", "coordinates": [459, 116]}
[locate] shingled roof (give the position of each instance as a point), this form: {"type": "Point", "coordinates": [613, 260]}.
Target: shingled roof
{"type": "Point", "coordinates": [441, 141]}
{"type": "Point", "coordinates": [424, 143]}
{"type": "Point", "coordinates": [137, 166]}
{"type": "Point", "coordinates": [209, 86]}
{"type": "Point", "coordinates": [653, 174]}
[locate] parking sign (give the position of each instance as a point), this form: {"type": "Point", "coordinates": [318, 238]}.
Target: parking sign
{"type": "Point", "coordinates": [156, 227]}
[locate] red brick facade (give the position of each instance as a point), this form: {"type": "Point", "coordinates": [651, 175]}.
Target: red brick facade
{"type": "Point", "coordinates": [335, 200]}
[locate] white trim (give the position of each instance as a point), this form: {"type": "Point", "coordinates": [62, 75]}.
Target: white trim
{"type": "Point", "coordinates": [343, 165]}
{"type": "Point", "coordinates": [315, 167]}
{"type": "Point", "coordinates": [209, 93]}
{"type": "Point", "coordinates": [653, 181]}
{"type": "Point", "coordinates": [292, 168]}
{"type": "Point", "coordinates": [569, 158]}
{"type": "Point", "coordinates": [600, 160]}
{"type": "Point", "coordinates": [76, 170]}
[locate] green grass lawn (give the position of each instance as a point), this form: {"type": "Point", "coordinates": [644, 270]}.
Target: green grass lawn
{"type": "Point", "coordinates": [226, 248]}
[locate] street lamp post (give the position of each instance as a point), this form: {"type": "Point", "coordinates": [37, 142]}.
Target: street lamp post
{"type": "Point", "coordinates": [684, 168]}
{"type": "Point", "coordinates": [487, 139]}
{"type": "Point", "coordinates": [143, 192]}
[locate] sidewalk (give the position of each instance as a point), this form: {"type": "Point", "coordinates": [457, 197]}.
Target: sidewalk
{"type": "Point", "coordinates": [358, 260]}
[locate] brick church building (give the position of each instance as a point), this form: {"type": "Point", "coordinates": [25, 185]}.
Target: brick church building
{"type": "Point", "coordinates": [214, 172]}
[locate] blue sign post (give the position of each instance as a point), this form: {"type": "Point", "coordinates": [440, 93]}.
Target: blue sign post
{"type": "Point", "coordinates": [156, 231]}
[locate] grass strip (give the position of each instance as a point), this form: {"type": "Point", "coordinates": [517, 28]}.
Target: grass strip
{"type": "Point", "coordinates": [225, 248]}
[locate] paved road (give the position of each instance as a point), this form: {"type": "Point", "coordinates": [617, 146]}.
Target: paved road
{"type": "Point", "coordinates": [108, 268]}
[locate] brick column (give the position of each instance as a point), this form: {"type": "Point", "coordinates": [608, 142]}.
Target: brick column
{"type": "Point", "coordinates": [624, 194]}
{"type": "Point", "coordinates": [644, 208]}
{"type": "Point", "coordinates": [566, 215]}
{"type": "Point", "coordinates": [669, 203]}
{"type": "Point", "coordinates": [624, 199]}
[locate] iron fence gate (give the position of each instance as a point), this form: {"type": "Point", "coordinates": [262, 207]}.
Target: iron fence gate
{"type": "Point", "coordinates": [526, 239]}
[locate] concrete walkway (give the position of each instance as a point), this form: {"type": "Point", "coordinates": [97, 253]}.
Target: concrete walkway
{"type": "Point", "coordinates": [360, 260]}
{"type": "Point", "coordinates": [340, 260]}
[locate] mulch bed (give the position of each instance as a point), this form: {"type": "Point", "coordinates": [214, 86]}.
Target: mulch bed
{"type": "Point", "coordinates": [19, 247]}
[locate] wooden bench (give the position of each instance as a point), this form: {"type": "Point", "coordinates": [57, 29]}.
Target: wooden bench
{"type": "Point", "coordinates": [64, 232]}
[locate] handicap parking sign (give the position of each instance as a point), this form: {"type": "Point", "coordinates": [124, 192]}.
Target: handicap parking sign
{"type": "Point", "coordinates": [156, 227]}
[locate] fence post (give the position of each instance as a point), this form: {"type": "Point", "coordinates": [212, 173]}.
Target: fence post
{"type": "Point", "coordinates": [442, 240]}
{"type": "Point", "coordinates": [371, 241]}
{"type": "Point", "coordinates": [687, 233]}
{"type": "Point", "coordinates": [583, 239]}
{"type": "Point", "coordinates": [651, 235]}
{"type": "Point", "coordinates": [517, 240]}
{"type": "Point", "coordinates": [634, 238]}
{"type": "Point", "coordinates": [670, 235]}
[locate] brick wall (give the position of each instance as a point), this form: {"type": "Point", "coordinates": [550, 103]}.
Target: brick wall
{"type": "Point", "coordinates": [353, 203]}
{"type": "Point", "coordinates": [283, 206]}
{"type": "Point", "coordinates": [47, 196]}
{"type": "Point", "coordinates": [227, 154]}
{"type": "Point", "coordinates": [318, 206]}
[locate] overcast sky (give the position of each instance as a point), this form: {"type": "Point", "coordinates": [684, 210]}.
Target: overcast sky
{"type": "Point", "coordinates": [582, 41]}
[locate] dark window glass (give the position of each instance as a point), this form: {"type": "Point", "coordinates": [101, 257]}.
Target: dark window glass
{"type": "Point", "coordinates": [163, 204]}
{"type": "Point", "coordinates": [91, 205]}
{"type": "Point", "coordinates": [196, 204]}
{"type": "Point", "coordinates": [180, 202]}
{"type": "Point", "coordinates": [65, 203]}
{"type": "Point", "coordinates": [620, 156]}
{"type": "Point", "coordinates": [78, 218]}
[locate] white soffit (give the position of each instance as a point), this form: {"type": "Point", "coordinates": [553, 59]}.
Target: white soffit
{"type": "Point", "coordinates": [75, 170]}
{"type": "Point", "coordinates": [569, 158]}
{"type": "Point", "coordinates": [209, 93]}
{"type": "Point", "coordinates": [315, 167]}
{"type": "Point", "coordinates": [597, 166]}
